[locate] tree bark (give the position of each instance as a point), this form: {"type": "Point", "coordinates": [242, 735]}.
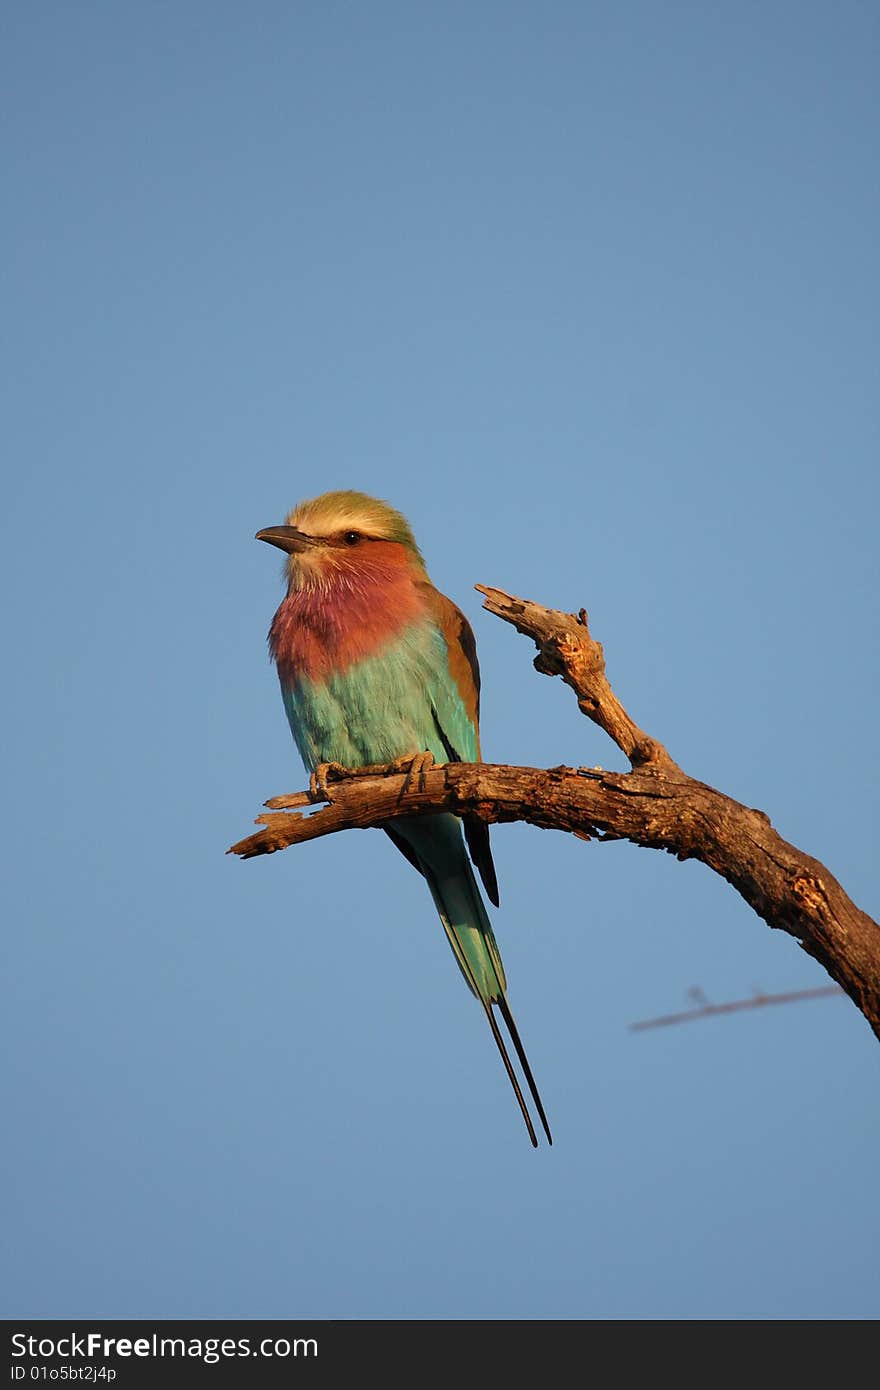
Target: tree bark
{"type": "Point", "coordinates": [656, 804]}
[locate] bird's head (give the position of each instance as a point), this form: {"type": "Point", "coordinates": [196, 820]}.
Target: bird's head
{"type": "Point", "coordinates": [342, 535]}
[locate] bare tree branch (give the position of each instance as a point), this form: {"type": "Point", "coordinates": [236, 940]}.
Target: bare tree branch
{"type": "Point", "coordinates": [656, 805]}
{"type": "Point", "coordinates": [566, 649]}
{"type": "Point", "coordinates": [701, 1008]}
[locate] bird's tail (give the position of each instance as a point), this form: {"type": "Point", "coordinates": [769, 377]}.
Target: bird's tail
{"type": "Point", "coordinates": [458, 901]}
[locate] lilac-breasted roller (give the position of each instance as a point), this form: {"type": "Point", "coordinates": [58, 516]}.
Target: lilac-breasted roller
{"type": "Point", "coordinates": [376, 665]}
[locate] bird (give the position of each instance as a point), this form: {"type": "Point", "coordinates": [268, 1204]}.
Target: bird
{"type": "Point", "coordinates": [377, 666]}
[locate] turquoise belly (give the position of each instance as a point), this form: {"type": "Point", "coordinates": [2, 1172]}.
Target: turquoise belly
{"type": "Point", "coordinates": [379, 709]}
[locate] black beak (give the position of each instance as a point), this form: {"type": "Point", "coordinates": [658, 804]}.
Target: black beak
{"type": "Point", "coordinates": [286, 538]}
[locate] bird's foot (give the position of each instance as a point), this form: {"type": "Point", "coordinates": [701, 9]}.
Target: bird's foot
{"type": "Point", "coordinates": [320, 777]}
{"type": "Point", "coordinates": [415, 766]}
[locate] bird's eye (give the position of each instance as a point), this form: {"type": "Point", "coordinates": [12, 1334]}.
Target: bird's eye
{"type": "Point", "coordinates": [351, 537]}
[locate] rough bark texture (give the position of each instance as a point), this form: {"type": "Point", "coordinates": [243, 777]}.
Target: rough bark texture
{"type": "Point", "coordinates": [656, 805]}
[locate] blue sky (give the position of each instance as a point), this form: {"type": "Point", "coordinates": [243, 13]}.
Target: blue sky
{"type": "Point", "coordinates": [590, 293]}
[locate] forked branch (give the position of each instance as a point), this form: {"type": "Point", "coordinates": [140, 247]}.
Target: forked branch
{"type": "Point", "coordinates": [655, 804]}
